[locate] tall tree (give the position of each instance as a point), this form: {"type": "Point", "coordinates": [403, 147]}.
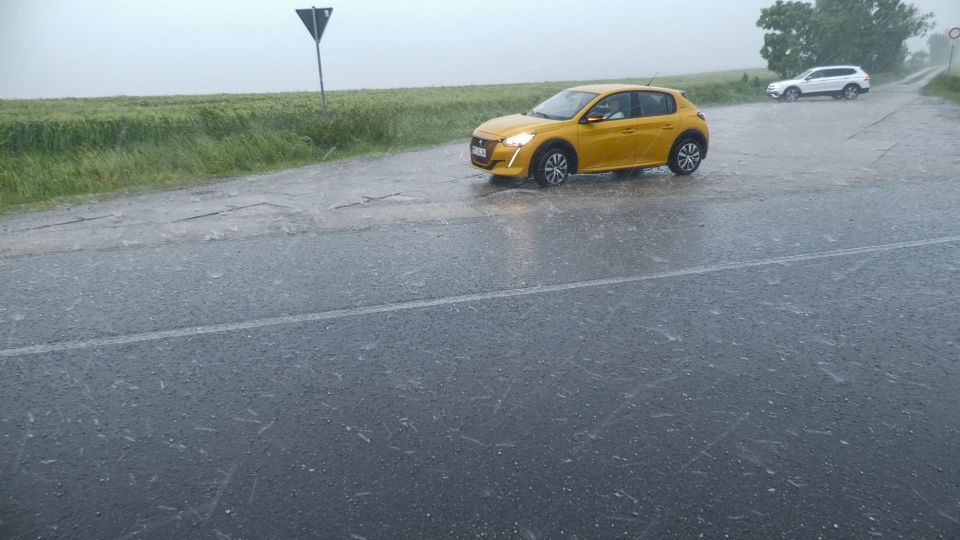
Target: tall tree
{"type": "Point", "coordinates": [869, 33]}
{"type": "Point", "coordinates": [787, 46]}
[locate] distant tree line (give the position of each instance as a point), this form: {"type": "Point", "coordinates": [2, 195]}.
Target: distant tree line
{"type": "Point", "coordinates": [867, 33]}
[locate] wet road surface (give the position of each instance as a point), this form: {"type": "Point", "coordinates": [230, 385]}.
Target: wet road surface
{"type": "Point", "coordinates": [654, 357]}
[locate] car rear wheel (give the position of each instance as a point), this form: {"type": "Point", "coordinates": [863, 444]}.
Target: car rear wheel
{"type": "Point", "coordinates": [685, 157]}
{"type": "Point", "coordinates": [851, 91]}
{"type": "Point", "coordinates": [791, 95]}
{"type": "Point", "coordinates": [552, 168]}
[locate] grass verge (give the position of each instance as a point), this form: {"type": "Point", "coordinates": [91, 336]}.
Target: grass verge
{"type": "Point", "coordinates": [50, 149]}
{"type": "Point", "coordinates": [945, 86]}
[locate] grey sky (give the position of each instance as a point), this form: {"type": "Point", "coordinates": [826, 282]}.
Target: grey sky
{"type": "Point", "coordinates": [57, 48]}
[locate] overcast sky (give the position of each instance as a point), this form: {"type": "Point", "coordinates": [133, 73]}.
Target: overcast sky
{"type": "Point", "coordinates": [58, 48]}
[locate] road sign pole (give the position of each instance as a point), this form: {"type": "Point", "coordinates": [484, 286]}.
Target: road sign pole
{"type": "Point", "coordinates": [954, 35]}
{"type": "Point", "coordinates": [323, 95]}
{"type": "Point", "coordinates": [950, 63]}
{"type": "Point", "coordinates": [316, 23]}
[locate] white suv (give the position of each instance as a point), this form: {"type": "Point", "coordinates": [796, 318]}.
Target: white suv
{"type": "Point", "coordinates": [840, 82]}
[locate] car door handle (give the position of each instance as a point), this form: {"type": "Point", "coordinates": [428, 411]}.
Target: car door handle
{"type": "Point", "coordinates": [668, 126]}
{"type": "Point", "coordinates": [628, 130]}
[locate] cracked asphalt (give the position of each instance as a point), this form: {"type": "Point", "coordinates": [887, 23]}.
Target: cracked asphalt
{"type": "Point", "coordinates": [394, 347]}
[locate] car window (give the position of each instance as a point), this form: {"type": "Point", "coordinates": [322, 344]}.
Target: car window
{"type": "Point", "coordinates": [614, 107]}
{"type": "Point", "coordinates": [819, 74]}
{"type": "Point", "coordinates": [654, 104]}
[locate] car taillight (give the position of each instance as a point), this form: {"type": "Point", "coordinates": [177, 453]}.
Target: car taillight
{"type": "Point", "coordinates": [702, 116]}
{"type": "Point", "coordinates": [869, 78]}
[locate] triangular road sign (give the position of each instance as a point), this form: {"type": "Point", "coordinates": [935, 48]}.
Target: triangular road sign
{"type": "Point", "coordinates": [323, 15]}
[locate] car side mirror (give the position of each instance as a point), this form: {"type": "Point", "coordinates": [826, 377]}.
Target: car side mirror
{"type": "Point", "coordinates": [593, 118]}
{"type": "Point", "coordinates": [808, 77]}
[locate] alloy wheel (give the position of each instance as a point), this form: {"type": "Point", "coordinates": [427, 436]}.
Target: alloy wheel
{"type": "Point", "coordinates": [688, 157]}
{"type": "Point", "coordinates": [555, 168]}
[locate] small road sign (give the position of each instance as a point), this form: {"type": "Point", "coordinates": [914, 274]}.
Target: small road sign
{"type": "Point", "coordinates": [954, 34]}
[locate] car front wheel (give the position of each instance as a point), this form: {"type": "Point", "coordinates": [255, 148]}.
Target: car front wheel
{"type": "Point", "coordinates": [851, 91]}
{"type": "Point", "coordinates": [685, 157]}
{"type": "Point", "coordinates": [790, 95]}
{"type": "Point", "coordinates": [552, 168]}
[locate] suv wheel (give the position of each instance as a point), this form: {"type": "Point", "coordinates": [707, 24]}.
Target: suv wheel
{"type": "Point", "coordinates": [851, 91]}
{"type": "Point", "coordinates": [791, 94]}
{"type": "Point", "coordinates": [685, 157]}
{"type": "Point", "coordinates": [553, 168]}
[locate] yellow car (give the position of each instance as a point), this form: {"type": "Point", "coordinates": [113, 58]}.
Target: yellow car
{"type": "Point", "coordinates": [595, 128]}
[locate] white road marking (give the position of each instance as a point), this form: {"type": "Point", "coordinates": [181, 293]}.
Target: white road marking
{"type": "Point", "coordinates": [459, 299]}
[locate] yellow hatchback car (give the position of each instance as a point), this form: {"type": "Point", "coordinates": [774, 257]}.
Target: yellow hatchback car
{"type": "Point", "coordinates": [595, 128]}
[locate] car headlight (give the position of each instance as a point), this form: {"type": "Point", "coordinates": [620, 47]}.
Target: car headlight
{"type": "Point", "coordinates": [518, 140]}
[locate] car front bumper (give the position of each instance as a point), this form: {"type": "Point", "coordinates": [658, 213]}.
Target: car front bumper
{"type": "Point", "coordinates": [500, 160]}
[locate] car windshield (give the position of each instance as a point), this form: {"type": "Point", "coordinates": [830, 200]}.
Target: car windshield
{"type": "Point", "coordinates": [563, 105]}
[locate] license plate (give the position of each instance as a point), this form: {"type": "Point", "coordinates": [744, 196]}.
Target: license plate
{"type": "Point", "coordinates": [479, 152]}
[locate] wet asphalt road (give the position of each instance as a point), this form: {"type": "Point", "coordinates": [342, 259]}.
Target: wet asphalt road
{"type": "Point", "coordinates": [766, 364]}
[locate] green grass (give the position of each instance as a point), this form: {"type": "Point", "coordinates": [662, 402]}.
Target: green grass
{"type": "Point", "coordinates": [50, 149]}
{"type": "Point", "coordinates": [945, 87]}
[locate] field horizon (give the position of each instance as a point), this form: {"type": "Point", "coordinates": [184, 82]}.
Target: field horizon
{"type": "Point", "coordinates": [631, 80]}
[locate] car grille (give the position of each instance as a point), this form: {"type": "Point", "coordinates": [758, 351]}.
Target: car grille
{"type": "Point", "coordinates": [487, 145]}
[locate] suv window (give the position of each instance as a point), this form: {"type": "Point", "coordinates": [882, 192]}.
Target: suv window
{"type": "Point", "coordinates": [654, 104]}
{"type": "Point", "coordinates": [819, 74]}
{"type": "Point", "coordinates": [843, 72]}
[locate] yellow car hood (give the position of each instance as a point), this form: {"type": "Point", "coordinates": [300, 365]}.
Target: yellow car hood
{"type": "Point", "coordinates": [515, 124]}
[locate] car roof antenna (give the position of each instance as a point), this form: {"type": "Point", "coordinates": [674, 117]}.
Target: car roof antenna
{"type": "Point", "coordinates": [652, 78]}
